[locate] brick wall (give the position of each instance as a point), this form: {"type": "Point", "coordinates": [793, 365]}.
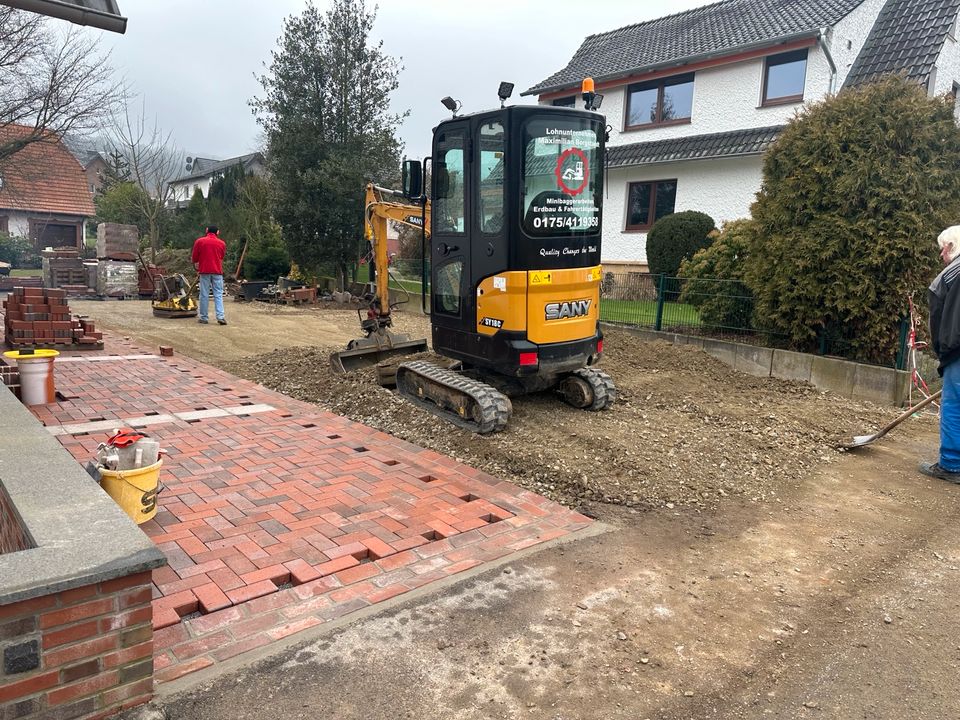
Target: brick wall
{"type": "Point", "coordinates": [79, 654]}
{"type": "Point", "coordinates": [12, 535]}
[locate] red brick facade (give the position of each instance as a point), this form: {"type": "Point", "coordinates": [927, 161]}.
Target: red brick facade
{"type": "Point", "coordinates": [79, 654]}
{"type": "Point", "coordinates": [13, 537]}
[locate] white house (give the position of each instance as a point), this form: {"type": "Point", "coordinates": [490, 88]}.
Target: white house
{"type": "Point", "coordinates": [693, 100]}
{"type": "Point", "coordinates": [201, 172]}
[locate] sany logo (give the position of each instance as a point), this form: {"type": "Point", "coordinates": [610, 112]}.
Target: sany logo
{"type": "Point", "coordinates": [571, 309]}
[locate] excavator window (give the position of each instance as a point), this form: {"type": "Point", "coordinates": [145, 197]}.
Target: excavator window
{"type": "Point", "coordinates": [561, 177]}
{"type": "Point", "coordinates": [491, 167]}
{"type": "Point", "coordinates": [449, 207]}
{"type": "Point", "coordinates": [447, 292]}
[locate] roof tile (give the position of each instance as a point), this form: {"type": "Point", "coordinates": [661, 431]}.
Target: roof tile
{"type": "Point", "coordinates": [907, 38]}
{"type": "Point", "coordinates": [754, 141]}
{"type": "Point", "coordinates": [723, 27]}
{"type": "Point", "coordinates": [43, 177]}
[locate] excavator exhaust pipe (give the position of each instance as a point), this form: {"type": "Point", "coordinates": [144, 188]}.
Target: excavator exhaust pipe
{"type": "Point", "coordinates": [367, 352]}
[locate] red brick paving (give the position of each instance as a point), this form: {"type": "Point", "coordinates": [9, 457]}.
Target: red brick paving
{"type": "Point", "coordinates": [276, 522]}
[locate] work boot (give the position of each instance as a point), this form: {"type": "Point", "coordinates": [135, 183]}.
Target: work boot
{"type": "Point", "coordinates": [934, 470]}
{"type": "Point", "coordinates": [202, 321]}
{"type": "Point", "coordinates": [221, 321]}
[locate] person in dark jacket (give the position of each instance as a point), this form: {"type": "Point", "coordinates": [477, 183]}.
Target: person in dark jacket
{"type": "Point", "coordinates": [944, 299]}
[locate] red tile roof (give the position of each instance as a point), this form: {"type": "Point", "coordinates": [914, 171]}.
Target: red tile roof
{"type": "Point", "coordinates": [43, 177]}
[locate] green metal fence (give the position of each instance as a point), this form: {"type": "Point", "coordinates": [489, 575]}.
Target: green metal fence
{"type": "Point", "coordinates": [703, 306]}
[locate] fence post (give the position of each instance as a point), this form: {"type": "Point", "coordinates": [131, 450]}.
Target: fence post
{"type": "Point", "coordinates": [901, 363]}
{"type": "Point", "coordinates": [661, 292]}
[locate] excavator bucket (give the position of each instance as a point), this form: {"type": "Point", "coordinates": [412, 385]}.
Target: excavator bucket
{"type": "Point", "coordinates": [367, 352]}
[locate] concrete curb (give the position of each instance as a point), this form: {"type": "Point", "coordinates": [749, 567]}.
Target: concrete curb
{"type": "Point", "coordinates": [856, 381]}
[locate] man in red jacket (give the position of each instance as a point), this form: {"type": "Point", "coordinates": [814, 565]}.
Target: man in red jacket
{"type": "Point", "coordinates": [207, 257]}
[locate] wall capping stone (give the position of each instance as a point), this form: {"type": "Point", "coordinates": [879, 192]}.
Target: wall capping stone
{"type": "Point", "coordinates": [80, 535]}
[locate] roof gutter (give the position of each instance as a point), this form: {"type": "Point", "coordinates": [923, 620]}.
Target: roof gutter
{"type": "Point", "coordinates": [111, 21]}
{"type": "Point", "coordinates": [689, 60]}
{"type": "Point", "coordinates": [825, 32]}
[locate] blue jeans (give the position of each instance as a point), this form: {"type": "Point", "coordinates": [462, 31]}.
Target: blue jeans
{"type": "Point", "coordinates": [950, 418]}
{"type": "Point", "coordinates": [205, 280]}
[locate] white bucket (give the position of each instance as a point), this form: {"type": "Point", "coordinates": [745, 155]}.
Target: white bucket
{"type": "Point", "coordinates": [36, 376]}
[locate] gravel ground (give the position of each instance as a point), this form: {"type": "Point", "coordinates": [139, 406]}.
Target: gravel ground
{"type": "Point", "coordinates": [687, 430]}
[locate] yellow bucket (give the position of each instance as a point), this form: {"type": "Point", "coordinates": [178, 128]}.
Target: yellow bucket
{"type": "Point", "coordinates": [135, 491]}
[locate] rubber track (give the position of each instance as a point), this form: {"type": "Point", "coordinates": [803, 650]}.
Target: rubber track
{"type": "Point", "coordinates": [495, 407]}
{"type": "Point", "coordinates": [605, 393]}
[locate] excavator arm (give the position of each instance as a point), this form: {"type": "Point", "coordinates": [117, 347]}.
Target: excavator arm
{"type": "Point", "coordinates": [382, 205]}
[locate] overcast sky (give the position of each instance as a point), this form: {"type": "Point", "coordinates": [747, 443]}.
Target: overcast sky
{"type": "Point", "coordinates": [193, 63]}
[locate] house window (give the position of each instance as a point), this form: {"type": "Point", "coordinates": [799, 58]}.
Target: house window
{"type": "Point", "coordinates": [660, 102]}
{"type": "Point", "coordinates": [569, 101]}
{"type": "Point", "coordinates": [955, 94]}
{"type": "Point", "coordinates": [647, 202]}
{"type": "Point", "coordinates": [784, 76]}
{"type": "Point", "coordinates": [4, 225]}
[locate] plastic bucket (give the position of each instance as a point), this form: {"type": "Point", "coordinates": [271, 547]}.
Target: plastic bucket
{"type": "Point", "coordinates": [135, 491]}
{"type": "Point", "coordinates": [36, 376]}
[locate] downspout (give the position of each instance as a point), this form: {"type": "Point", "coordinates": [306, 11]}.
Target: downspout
{"type": "Point", "coordinates": [822, 42]}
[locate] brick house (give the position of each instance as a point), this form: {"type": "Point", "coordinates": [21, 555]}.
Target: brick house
{"type": "Point", "coordinates": [44, 193]}
{"type": "Point", "coordinates": [695, 99]}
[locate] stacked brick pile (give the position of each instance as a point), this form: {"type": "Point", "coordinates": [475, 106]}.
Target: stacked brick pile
{"type": "Point", "coordinates": [40, 317]}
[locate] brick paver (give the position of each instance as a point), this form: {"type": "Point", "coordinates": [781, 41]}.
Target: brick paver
{"type": "Point", "coordinates": [278, 521]}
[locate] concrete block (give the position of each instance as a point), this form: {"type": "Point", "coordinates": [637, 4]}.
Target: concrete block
{"type": "Point", "coordinates": [834, 375]}
{"type": "Point", "coordinates": [901, 390]}
{"type": "Point", "coordinates": [753, 360]}
{"type": "Point", "coordinates": [695, 340]}
{"type": "Point", "coordinates": [789, 365]}
{"type": "Point", "coordinates": [725, 352]}
{"type": "Point", "coordinates": [876, 384]}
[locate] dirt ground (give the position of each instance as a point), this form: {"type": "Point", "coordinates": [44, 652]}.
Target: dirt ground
{"type": "Point", "coordinates": [686, 431]}
{"type": "Point", "coordinates": [749, 571]}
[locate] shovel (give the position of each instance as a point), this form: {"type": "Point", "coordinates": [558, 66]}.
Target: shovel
{"type": "Point", "coordinates": [861, 440]}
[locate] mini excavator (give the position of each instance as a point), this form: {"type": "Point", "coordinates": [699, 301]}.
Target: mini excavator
{"type": "Point", "coordinates": [514, 229]}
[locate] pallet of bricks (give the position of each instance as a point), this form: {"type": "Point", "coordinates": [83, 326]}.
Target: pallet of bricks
{"type": "Point", "coordinates": [40, 317]}
{"type": "Point", "coordinates": [117, 274]}
{"type": "Point", "coordinates": [298, 296]}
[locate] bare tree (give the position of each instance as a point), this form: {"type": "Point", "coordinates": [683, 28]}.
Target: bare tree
{"type": "Point", "coordinates": [52, 82]}
{"type": "Point", "coordinates": [153, 161]}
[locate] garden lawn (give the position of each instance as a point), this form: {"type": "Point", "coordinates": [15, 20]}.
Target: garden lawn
{"type": "Point", "coordinates": [644, 312]}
